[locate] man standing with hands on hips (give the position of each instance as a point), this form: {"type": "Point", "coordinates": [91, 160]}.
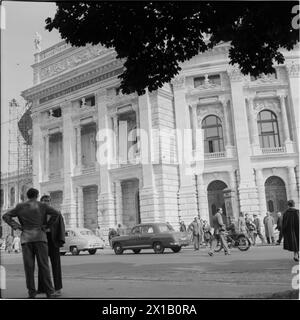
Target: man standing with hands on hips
{"type": "Point", "coordinates": [32, 216]}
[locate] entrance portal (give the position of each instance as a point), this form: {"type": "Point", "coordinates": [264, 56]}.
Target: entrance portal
{"type": "Point", "coordinates": [130, 201]}
{"type": "Point", "coordinates": [216, 198]}
{"type": "Point", "coordinates": [90, 195]}
{"type": "Point", "coordinates": [276, 197]}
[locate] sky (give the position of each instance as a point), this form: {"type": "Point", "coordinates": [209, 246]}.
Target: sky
{"type": "Point", "coordinates": [22, 21]}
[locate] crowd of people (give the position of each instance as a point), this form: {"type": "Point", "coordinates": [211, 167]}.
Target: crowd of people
{"type": "Point", "coordinates": [286, 224]}
{"type": "Point", "coordinates": [43, 233]}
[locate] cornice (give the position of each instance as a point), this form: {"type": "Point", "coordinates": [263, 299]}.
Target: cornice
{"type": "Point", "coordinates": [50, 90]}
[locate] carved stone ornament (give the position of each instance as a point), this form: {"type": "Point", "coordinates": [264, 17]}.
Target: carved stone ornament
{"type": "Point", "coordinates": [72, 61]}
{"type": "Point", "coordinates": [205, 111]}
{"type": "Point", "coordinates": [270, 104]}
{"type": "Point", "coordinates": [178, 82]}
{"type": "Point", "coordinates": [234, 73]}
{"type": "Point", "coordinates": [293, 68]}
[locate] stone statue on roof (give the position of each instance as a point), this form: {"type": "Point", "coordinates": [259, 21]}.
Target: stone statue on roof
{"type": "Point", "coordinates": [37, 42]}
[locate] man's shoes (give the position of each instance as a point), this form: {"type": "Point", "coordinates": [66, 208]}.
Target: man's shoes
{"type": "Point", "coordinates": [52, 295]}
{"type": "Point", "coordinates": [296, 259]}
{"type": "Point", "coordinates": [58, 292]}
{"type": "Point", "coordinates": [210, 253]}
{"type": "Point", "coordinates": [227, 253]}
{"type": "Point", "coordinates": [40, 292]}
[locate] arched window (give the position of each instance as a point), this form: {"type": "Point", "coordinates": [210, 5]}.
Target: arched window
{"type": "Point", "coordinates": [270, 206]}
{"type": "Point", "coordinates": [213, 134]}
{"type": "Point", "coordinates": [268, 129]}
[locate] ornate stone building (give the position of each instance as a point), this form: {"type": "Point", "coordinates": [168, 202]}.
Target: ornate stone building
{"type": "Point", "coordinates": [250, 140]}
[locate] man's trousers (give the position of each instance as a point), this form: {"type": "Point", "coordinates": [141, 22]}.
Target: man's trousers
{"type": "Point", "coordinates": [39, 250]}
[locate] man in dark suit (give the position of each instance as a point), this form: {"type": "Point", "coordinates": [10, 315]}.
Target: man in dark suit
{"type": "Point", "coordinates": [32, 216]}
{"type": "Point", "coordinates": [56, 239]}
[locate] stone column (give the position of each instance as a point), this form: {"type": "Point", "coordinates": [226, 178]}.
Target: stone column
{"type": "Point", "coordinates": [187, 191]}
{"type": "Point", "coordinates": [116, 137]}
{"type": "Point", "coordinates": [148, 194]}
{"type": "Point", "coordinates": [226, 127]}
{"type": "Point", "coordinates": [254, 132]}
{"type": "Point", "coordinates": [195, 125]}
{"type": "Point", "coordinates": [202, 198]}
{"type": "Point", "coordinates": [119, 204]}
{"type": "Point", "coordinates": [247, 188]}
{"type": "Point", "coordinates": [293, 192]}
{"type": "Point", "coordinates": [233, 188]}
{"type": "Point", "coordinates": [80, 212]}
{"type": "Point", "coordinates": [37, 152]}
{"type": "Point", "coordinates": [78, 145]}
{"type": "Point", "coordinates": [293, 70]}
{"type": "Point", "coordinates": [261, 192]}
{"type": "Point", "coordinates": [106, 209]}
{"type": "Point", "coordinates": [46, 157]}
{"type": "Point", "coordinates": [287, 140]}
{"type": "Point", "coordinates": [69, 203]}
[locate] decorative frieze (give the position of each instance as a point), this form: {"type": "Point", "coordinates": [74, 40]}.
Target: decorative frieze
{"type": "Point", "coordinates": [72, 61]}
{"type": "Point", "coordinates": [178, 82]}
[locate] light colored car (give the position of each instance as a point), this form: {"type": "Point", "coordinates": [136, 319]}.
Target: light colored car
{"type": "Point", "coordinates": [81, 239]}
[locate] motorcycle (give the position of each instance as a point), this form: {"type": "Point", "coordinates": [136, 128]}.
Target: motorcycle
{"type": "Point", "coordinates": [237, 240]}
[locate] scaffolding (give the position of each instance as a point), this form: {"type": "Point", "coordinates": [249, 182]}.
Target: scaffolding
{"type": "Point", "coordinates": [20, 145]}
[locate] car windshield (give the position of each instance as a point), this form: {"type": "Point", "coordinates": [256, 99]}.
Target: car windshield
{"type": "Point", "coordinates": [165, 228]}
{"type": "Point", "coordinates": [86, 233]}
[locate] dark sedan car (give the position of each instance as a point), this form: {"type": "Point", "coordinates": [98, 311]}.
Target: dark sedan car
{"type": "Point", "coordinates": [157, 236]}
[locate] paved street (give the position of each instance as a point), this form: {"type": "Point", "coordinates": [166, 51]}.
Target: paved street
{"type": "Point", "coordinates": [188, 274]}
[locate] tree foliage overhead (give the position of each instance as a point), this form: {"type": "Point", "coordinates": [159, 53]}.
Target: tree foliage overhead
{"type": "Point", "coordinates": [155, 37]}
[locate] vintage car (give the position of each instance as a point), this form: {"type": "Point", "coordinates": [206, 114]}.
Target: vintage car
{"type": "Point", "coordinates": [81, 239]}
{"type": "Point", "coordinates": [156, 236]}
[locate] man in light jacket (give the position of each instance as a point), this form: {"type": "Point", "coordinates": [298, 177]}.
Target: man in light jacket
{"type": "Point", "coordinates": [219, 233]}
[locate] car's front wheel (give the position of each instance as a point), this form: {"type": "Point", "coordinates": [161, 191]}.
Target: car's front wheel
{"type": "Point", "coordinates": [92, 251]}
{"type": "Point", "coordinates": [74, 251]}
{"type": "Point", "coordinates": [177, 249]}
{"type": "Point", "coordinates": [158, 247]}
{"type": "Point", "coordinates": [118, 248]}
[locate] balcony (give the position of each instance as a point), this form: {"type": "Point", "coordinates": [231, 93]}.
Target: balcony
{"type": "Point", "coordinates": [273, 150]}
{"type": "Point", "coordinates": [215, 155]}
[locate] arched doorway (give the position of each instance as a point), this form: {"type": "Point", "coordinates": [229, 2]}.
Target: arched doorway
{"type": "Point", "coordinates": [215, 198]}
{"type": "Point", "coordinates": [276, 197]}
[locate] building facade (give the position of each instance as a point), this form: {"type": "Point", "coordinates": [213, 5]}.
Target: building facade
{"type": "Point", "coordinates": [249, 139]}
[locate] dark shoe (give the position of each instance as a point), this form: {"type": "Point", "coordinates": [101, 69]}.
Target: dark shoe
{"type": "Point", "coordinates": [227, 253]}
{"type": "Point", "coordinates": [52, 295]}
{"type": "Point", "coordinates": [296, 259]}
{"type": "Point", "coordinates": [210, 253]}
{"type": "Point", "coordinates": [58, 292]}
{"type": "Point", "coordinates": [40, 292]}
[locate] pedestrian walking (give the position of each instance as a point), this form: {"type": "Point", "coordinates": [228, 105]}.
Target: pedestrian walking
{"type": "Point", "coordinates": [9, 243]}
{"type": "Point", "coordinates": [207, 235]}
{"type": "Point", "coordinates": [112, 233]}
{"type": "Point", "coordinates": [196, 230]}
{"type": "Point", "coordinates": [290, 229]}
{"type": "Point", "coordinates": [257, 232]}
{"type": "Point", "coordinates": [279, 227]}
{"type": "Point", "coordinates": [219, 233]}
{"type": "Point", "coordinates": [32, 216]}
{"type": "Point", "coordinates": [182, 227]}
{"type": "Point", "coordinates": [16, 244]}
{"type": "Point", "coordinates": [56, 239]}
{"type": "Point", "coordinates": [242, 224]}
{"type": "Point", "coordinates": [251, 229]}
{"type": "Point", "coordinates": [269, 230]}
